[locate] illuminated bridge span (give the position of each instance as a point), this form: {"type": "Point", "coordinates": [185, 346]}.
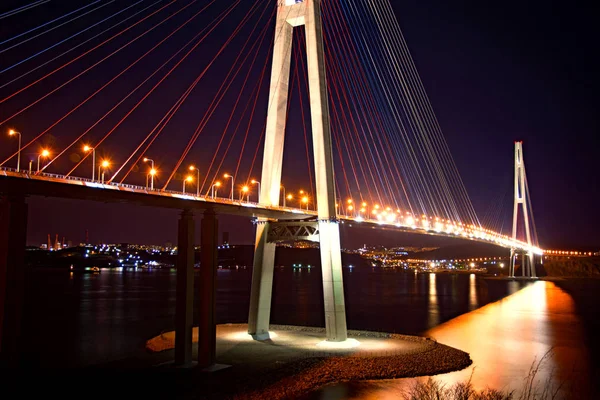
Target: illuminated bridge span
{"type": "Point", "coordinates": [167, 103]}
{"type": "Point", "coordinates": [53, 185]}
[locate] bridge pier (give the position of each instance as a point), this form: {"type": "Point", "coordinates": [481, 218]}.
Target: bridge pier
{"type": "Point", "coordinates": [333, 286]}
{"type": "Point", "coordinates": [262, 283]}
{"type": "Point", "coordinates": [184, 308]}
{"type": "Point", "coordinates": [511, 264]}
{"type": "Point", "coordinates": [13, 274]}
{"type": "Point", "coordinates": [207, 329]}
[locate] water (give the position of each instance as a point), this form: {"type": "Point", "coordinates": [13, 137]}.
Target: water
{"type": "Point", "coordinates": [85, 319]}
{"type": "Point", "coordinates": [505, 339]}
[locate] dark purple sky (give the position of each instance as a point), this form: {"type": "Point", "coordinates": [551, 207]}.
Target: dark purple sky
{"type": "Point", "coordinates": [494, 73]}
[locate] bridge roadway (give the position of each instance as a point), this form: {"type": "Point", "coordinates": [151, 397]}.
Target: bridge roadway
{"type": "Point", "coordinates": [53, 185]}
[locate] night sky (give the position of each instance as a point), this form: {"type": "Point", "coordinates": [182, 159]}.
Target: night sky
{"type": "Point", "coordinates": [494, 73]}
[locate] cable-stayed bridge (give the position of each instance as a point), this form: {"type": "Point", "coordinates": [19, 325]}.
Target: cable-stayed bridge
{"type": "Point", "coordinates": [169, 104]}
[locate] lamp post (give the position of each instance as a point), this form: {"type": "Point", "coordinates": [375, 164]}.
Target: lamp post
{"type": "Point", "coordinates": [103, 165]}
{"type": "Point", "coordinates": [44, 153]}
{"type": "Point", "coordinates": [288, 197]}
{"type": "Point", "coordinates": [12, 132]}
{"type": "Point", "coordinates": [305, 201]}
{"type": "Point", "coordinates": [30, 164]}
{"type": "Point", "coordinates": [255, 182]}
{"type": "Point", "coordinates": [245, 190]}
{"type": "Point", "coordinates": [215, 185]}
{"type": "Point", "coordinates": [87, 148]}
{"type": "Point", "coordinates": [188, 178]}
{"type": "Point", "coordinates": [232, 179]}
{"type": "Point", "coordinates": [152, 171]}
{"type": "Point", "coordinates": [197, 179]}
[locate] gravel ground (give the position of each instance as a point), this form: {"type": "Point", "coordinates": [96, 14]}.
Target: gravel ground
{"type": "Point", "coordinates": [290, 365]}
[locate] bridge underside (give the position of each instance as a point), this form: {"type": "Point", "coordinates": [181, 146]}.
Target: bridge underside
{"type": "Point", "coordinates": [78, 190]}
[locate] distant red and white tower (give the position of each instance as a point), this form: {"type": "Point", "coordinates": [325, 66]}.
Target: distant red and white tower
{"type": "Point", "coordinates": [521, 198]}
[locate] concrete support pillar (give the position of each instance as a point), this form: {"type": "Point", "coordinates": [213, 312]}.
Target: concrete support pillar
{"type": "Point", "coordinates": [13, 275]}
{"type": "Point", "coordinates": [262, 284]}
{"type": "Point", "coordinates": [333, 286]}
{"type": "Point", "coordinates": [319, 112]}
{"type": "Point", "coordinates": [329, 231]}
{"type": "Point", "coordinates": [291, 14]}
{"type": "Point", "coordinates": [511, 264]}
{"type": "Point", "coordinates": [207, 330]}
{"type": "Point", "coordinates": [184, 311]}
{"type": "Point", "coordinates": [264, 253]}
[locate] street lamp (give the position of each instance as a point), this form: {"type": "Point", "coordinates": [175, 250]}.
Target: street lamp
{"type": "Point", "coordinates": [197, 179]}
{"type": "Point", "coordinates": [232, 179]}
{"type": "Point", "coordinates": [188, 178]}
{"type": "Point", "coordinates": [44, 153]}
{"type": "Point", "coordinates": [87, 148]}
{"type": "Point", "coordinates": [12, 132]}
{"type": "Point", "coordinates": [152, 171]}
{"type": "Point", "coordinates": [245, 189]}
{"type": "Point", "coordinates": [305, 201]}
{"type": "Point", "coordinates": [255, 182]}
{"type": "Point", "coordinates": [288, 197]}
{"type": "Point", "coordinates": [216, 185]}
{"type": "Point", "coordinates": [103, 165]}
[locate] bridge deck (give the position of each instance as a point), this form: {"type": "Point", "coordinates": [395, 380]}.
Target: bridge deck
{"type": "Point", "coordinates": [52, 185]}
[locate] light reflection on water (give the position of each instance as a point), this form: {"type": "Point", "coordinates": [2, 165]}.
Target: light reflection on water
{"type": "Point", "coordinates": [504, 339]}
{"type": "Point", "coordinates": [434, 308]}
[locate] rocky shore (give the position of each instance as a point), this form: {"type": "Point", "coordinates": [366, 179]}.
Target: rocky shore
{"type": "Point", "coordinates": [295, 361]}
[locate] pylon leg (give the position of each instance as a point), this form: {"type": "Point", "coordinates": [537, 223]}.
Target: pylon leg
{"type": "Point", "coordinates": [333, 285]}
{"type": "Point", "coordinates": [262, 284]}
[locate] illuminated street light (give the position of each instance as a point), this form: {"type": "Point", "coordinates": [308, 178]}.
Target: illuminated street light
{"type": "Point", "coordinates": [305, 201]}
{"type": "Point", "coordinates": [257, 183]}
{"type": "Point", "coordinates": [12, 132]}
{"type": "Point", "coordinates": [152, 172]}
{"type": "Point", "coordinates": [232, 180]}
{"type": "Point", "coordinates": [188, 178]}
{"type": "Point", "coordinates": [103, 165]}
{"type": "Point", "coordinates": [44, 153]}
{"type": "Point", "coordinates": [245, 189]}
{"type": "Point", "coordinates": [216, 185]}
{"type": "Point", "coordinates": [350, 208]}
{"type": "Point", "coordinates": [288, 197]}
{"type": "Point", "coordinates": [86, 149]}
{"type": "Point", "coordinates": [197, 179]}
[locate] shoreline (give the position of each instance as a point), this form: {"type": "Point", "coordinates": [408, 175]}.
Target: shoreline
{"type": "Point", "coordinates": [295, 362]}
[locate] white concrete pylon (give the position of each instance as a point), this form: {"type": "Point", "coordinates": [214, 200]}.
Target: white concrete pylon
{"type": "Point", "coordinates": [520, 197]}
{"type": "Point", "coordinates": [290, 14]}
